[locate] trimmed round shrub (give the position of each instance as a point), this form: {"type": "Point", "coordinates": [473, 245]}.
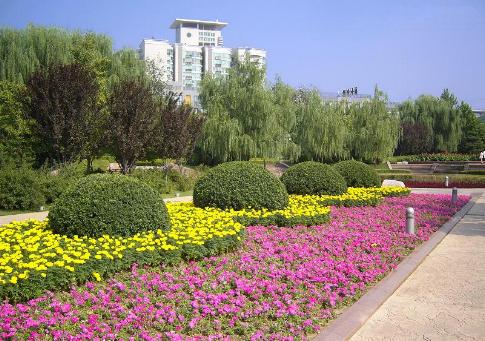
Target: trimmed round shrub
{"type": "Point", "coordinates": [108, 204]}
{"type": "Point", "coordinates": [239, 185]}
{"type": "Point", "coordinates": [358, 174]}
{"type": "Point", "coordinates": [313, 178]}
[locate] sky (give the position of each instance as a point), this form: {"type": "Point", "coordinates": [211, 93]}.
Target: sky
{"type": "Point", "coordinates": [407, 48]}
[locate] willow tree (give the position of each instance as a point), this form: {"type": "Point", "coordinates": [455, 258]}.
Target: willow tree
{"type": "Point", "coordinates": [374, 129]}
{"type": "Point", "coordinates": [241, 120]}
{"type": "Point", "coordinates": [285, 107]}
{"type": "Point", "coordinates": [24, 51]}
{"type": "Point", "coordinates": [321, 130]}
{"type": "Point", "coordinates": [440, 115]}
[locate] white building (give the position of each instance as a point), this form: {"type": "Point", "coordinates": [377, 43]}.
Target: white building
{"type": "Point", "coordinates": [198, 49]}
{"type": "Point", "coordinates": [257, 56]}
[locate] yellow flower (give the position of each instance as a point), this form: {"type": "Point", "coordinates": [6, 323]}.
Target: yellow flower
{"type": "Point", "coordinates": [97, 276]}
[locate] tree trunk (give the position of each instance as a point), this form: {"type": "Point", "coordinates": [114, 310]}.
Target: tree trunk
{"type": "Point", "coordinates": [89, 166]}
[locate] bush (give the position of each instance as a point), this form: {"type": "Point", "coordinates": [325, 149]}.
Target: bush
{"type": "Point", "coordinates": [108, 204]}
{"type": "Point", "coordinates": [240, 185]}
{"type": "Point", "coordinates": [20, 188]}
{"type": "Point", "coordinates": [358, 174]}
{"type": "Point", "coordinates": [313, 178]}
{"type": "Point", "coordinates": [430, 157]}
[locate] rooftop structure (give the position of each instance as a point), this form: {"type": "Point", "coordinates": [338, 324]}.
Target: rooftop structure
{"type": "Point", "coordinates": [198, 32]}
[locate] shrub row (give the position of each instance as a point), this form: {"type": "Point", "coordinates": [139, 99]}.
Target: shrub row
{"type": "Point", "coordinates": [240, 185]}
{"type": "Point", "coordinates": [437, 181]}
{"type": "Point", "coordinates": [435, 157]}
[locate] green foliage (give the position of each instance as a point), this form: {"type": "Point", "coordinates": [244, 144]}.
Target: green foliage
{"type": "Point", "coordinates": [441, 117]}
{"type": "Point", "coordinates": [374, 131]}
{"type": "Point", "coordinates": [473, 134]}
{"type": "Point", "coordinates": [313, 178]}
{"type": "Point", "coordinates": [430, 157]}
{"type": "Point", "coordinates": [20, 188]}
{"type": "Point", "coordinates": [108, 204]}
{"type": "Point", "coordinates": [24, 51]}
{"type": "Point", "coordinates": [358, 174]}
{"type": "Point", "coordinates": [321, 130]}
{"type": "Point", "coordinates": [241, 117]}
{"type": "Point", "coordinates": [240, 185]}
{"type": "Point", "coordinates": [454, 179]}
{"type": "Point", "coordinates": [15, 128]}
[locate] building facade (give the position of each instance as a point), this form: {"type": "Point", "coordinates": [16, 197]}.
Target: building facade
{"type": "Point", "coordinates": [198, 49]}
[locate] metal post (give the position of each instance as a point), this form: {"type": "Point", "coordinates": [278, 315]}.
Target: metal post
{"type": "Point", "coordinates": [410, 220]}
{"type": "Point", "coordinates": [447, 181]}
{"type": "Point", "coordinates": [454, 195]}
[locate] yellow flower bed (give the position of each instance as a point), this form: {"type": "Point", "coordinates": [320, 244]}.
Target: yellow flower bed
{"type": "Point", "coordinates": [29, 250]}
{"type": "Point", "coordinates": [33, 258]}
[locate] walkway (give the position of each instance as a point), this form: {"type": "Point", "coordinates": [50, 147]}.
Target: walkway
{"type": "Point", "coordinates": [444, 298]}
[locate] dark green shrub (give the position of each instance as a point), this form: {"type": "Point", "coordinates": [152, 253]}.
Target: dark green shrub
{"type": "Point", "coordinates": [313, 178]}
{"type": "Point", "coordinates": [20, 188]}
{"type": "Point", "coordinates": [108, 204]}
{"type": "Point", "coordinates": [240, 185]}
{"type": "Point", "coordinates": [358, 174]}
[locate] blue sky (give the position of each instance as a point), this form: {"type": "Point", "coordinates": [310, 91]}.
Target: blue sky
{"type": "Point", "coordinates": [406, 47]}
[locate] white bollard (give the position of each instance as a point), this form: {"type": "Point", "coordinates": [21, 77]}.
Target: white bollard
{"type": "Point", "coordinates": [454, 195]}
{"type": "Point", "coordinates": [410, 220]}
{"type": "Point", "coordinates": [447, 181]}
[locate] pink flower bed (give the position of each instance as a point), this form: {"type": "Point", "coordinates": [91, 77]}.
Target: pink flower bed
{"type": "Point", "coordinates": [282, 284]}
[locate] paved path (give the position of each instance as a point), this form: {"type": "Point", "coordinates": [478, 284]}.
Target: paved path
{"type": "Point", "coordinates": [42, 215]}
{"type": "Point", "coordinates": [444, 298]}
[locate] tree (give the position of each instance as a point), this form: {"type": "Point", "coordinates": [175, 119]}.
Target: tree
{"type": "Point", "coordinates": [473, 135]}
{"type": "Point", "coordinates": [416, 138]}
{"type": "Point", "coordinates": [64, 106]}
{"type": "Point", "coordinates": [178, 130]}
{"type": "Point", "coordinates": [440, 115]}
{"type": "Point", "coordinates": [374, 129]}
{"type": "Point", "coordinates": [15, 128]}
{"type": "Point", "coordinates": [133, 120]}
{"type": "Point", "coordinates": [284, 99]}
{"type": "Point", "coordinates": [25, 51]}
{"type": "Point", "coordinates": [321, 131]}
{"type": "Point", "coordinates": [241, 120]}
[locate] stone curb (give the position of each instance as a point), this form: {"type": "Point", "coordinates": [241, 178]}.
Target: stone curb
{"type": "Point", "coordinates": [354, 317]}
